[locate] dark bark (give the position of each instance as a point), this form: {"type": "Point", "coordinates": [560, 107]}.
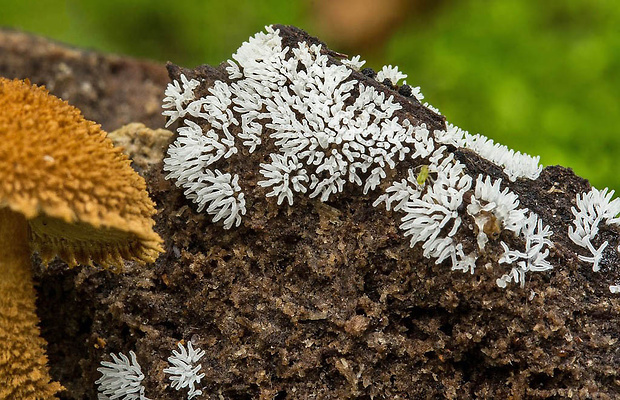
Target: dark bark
{"type": "Point", "coordinates": [111, 90]}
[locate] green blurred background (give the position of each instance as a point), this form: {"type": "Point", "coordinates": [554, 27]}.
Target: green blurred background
{"type": "Point", "coordinates": [542, 77]}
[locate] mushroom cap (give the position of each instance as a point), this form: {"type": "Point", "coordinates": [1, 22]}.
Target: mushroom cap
{"type": "Point", "coordinates": [83, 201]}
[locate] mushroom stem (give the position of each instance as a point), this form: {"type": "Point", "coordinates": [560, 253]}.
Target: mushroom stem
{"type": "Point", "coordinates": [23, 364]}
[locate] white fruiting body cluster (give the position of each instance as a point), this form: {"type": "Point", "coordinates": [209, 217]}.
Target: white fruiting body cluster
{"type": "Point", "coordinates": [490, 205]}
{"type": "Point", "coordinates": [330, 130]}
{"type": "Point", "coordinates": [533, 257]}
{"type": "Point", "coordinates": [184, 370]}
{"type": "Point", "coordinates": [122, 379]}
{"type": "Point", "coordinates": [515, 164]}
{"type": "Point", "coordinates": [592, 209]}
{"type": "Point", "coordinates": [390, 72]}
{"type": "Point", "coordinates": [355, 63]}
{"type": "Point", "coordinates": [178, 96]}
{"type": "Point", "coordinates": [431, 208]}
{"type": "Point", "coordinates": [325, 138]}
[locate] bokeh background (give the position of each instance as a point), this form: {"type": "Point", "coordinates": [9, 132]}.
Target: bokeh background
{"type": "Point", "coordinates": [542, 77]}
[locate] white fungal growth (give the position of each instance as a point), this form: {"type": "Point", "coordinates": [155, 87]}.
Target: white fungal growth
{"type": "Point", "coordinates": [184, 369]}
{"type": "Point", "coordinates": [193, 151]}
{"type": "Point", "coordinates": [452, 135]}
{"type": "Point", "coordinates": [432, 108]}
{"type": "Point", "coordinates": [515, 164]}
{"type": "Point", "coordinates": [285, 175]}
{"type": "Point", "coordinates": [121, 379]}
{"type": "Point", "coordinates": [323, 138]}
{"type": "Point", "coordinates": [355, 63]}
{"type": "Point", "coordinates": [188, 162]}
{"type": "Point", "coordinates": [503, 204]}
{"type": "Point", "coordinates": [431, 217]}
{"type": "Point", "coordinates": [324, 130]}
{"type": "Point", "coordinates": [593, 208]}
{"type": "Point", "coordinates": [177, 98]}
{"type": "Point", "coordinates": [390, 72]}
{"type": "Point", "coordinates": [533, 257]}
{"type": "Point", "coordinates": [424, 144]}
{"type": "Point", "coordinates": [221, 195]}
{"type": "Point", "coordinates": [415, 91]}
{"type": "Point", "coordinates": [400, 192]}
{"type": "Point", "coordinates": [489, 202]}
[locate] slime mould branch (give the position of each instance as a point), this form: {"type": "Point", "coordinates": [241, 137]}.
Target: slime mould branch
{"type": "Point", "coordinates": [314, 123]}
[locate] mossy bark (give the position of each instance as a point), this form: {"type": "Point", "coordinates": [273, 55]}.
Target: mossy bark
{"type": "Point", "coordinates": [23, 364]}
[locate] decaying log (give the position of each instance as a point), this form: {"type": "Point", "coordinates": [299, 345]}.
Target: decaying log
{"type": "Point", "coordinates": [327, 299]}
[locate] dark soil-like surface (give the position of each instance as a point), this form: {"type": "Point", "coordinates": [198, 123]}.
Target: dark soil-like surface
{"type": "Point", "coordinates": [328, 301]}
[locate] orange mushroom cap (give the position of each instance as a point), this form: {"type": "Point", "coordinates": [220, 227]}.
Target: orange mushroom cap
{"type": "Point", "coordinates": [83, 201]}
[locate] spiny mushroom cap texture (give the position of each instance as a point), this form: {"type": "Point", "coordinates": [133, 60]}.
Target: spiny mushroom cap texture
{"type": "Point", "coordinates": [83, 200]}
